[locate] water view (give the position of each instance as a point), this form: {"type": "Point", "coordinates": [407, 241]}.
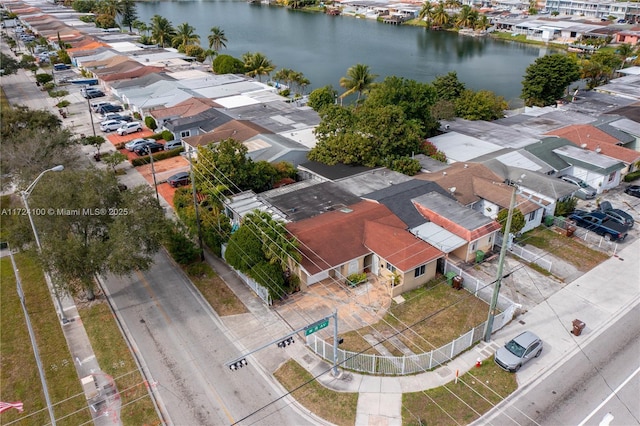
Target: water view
{"type": "Point", "coordinates": [323, 47]}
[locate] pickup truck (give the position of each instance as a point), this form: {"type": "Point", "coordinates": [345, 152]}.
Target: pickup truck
{"type": "Point", "coordinates": [599, 223]}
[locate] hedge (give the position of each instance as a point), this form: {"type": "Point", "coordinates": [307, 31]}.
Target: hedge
{"type": "Point", "coordinates": [156, 157]}
{"type": "Point", "coordinates": [629, 177]}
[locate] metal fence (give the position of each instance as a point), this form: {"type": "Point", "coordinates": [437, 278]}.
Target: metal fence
{"type": "Point", "coordinates": [527, 255]}
{"type": "Point", "coordinates": [406, 364]}
{"type": "Point", "coordinates": [479, 288]}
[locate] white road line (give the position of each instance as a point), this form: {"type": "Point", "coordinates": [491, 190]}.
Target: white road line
{"type": "Point", "coordinates": [609, 397]}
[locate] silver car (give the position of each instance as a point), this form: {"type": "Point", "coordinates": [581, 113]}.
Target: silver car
{"type": "Point", "coordinates": [584, 191]}
{"type": "Point", "coordinates": [519, 350]}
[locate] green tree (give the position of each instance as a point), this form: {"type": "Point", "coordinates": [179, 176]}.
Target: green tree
{"type": "Point", "coordinates": [257, 65]}
{"type": "Point", "coordinates": [184, 36]}
{"type": "Point", "coordinates": [547, 79]}
{"type": "Point", "coordinates": [464, 20]}
{"type": "Point", "coordinates": [106, 230]}
{"type": "Point", "coordinates": [128, 14]}
{"type": "Point", "coordinates": [114, 158]}
{"type": "Point", "coordinates": [226, 64]}
{"type": "Point", "coordinates": [162, 31]}
{"type": "Point", "coordinates": [595, 73]}
{"type": "Point", "coordinates": [9, 65]}
{"type": "Point", "coordinates": [244, 250]}
{"type": "Point", "coordinates": [625, 51]}
{"type": "Point", "coordinates": [426, 13]}
{"type": "Point", "coordinates": [217, 39]}
{"type": "Point", "coordinates": [448, 87]}
{"type": "Point", "coordinates": [440, 16]}
{"type": "Point", "coordinates": [43, 78]}
{"type": "Point", "coordinates": [180, 246]}
{"type": "Point", "coordinates": [359, 79]}
{"type": "Point", "coordinates": [196, 51]}
{"type": "Point", "coordinates": [84, 6]}
{"type": "Point", "coordinates": [321, 97]}
{"type": "Point", "coordinates": [415, 99]}
{"type": "Point", "coordinates": [517, 220]}
{"type": "Point", "coordinates": [94, 141]}
{"type": "Point", "coordinates": [105, 21]}
{"type": "Point", "coordinates": [225, 163]}
{"type": "Point", "coordinates": [141, 26]}
{"type": "Point", "coordinates": [481, 105]}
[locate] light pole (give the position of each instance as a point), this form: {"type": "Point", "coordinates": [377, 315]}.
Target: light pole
{"type": "Point", "coordinates": [93, 127]}
{"type": "Point", "coordinates": [25, 195]}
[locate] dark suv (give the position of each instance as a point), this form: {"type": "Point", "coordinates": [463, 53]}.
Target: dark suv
{"type": "Point", "coordinates": [105, 109]}
{"type": "Point", "coordinates": [93, 93]}
{"type": "Point", "coordinates": [150, 147]}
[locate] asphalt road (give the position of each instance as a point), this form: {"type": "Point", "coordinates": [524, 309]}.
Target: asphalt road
{"type": "Point", "coordinates": [185, 346]}
{"type": "Point", "coordinates": [598, 383]}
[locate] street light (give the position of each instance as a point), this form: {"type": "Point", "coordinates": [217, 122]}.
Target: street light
{"type": "Point", "coordinates": [25, 195]}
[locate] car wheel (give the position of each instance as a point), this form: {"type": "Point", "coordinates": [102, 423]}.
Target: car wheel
{"type": "Point", "coordinates": [538, 353]}
{"type": "Point", "coordinates": [139, 130]}
{"type": "Point", "coordinates": [515, 370]}
{"type": "Point", "coordinates": [608, 237]}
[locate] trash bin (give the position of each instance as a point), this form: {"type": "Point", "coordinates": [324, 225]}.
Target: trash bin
{"type": "Point", "coordinates": [578, 326]}
{"type": "Point", "coordinates": [450, 276]}
{"type": "Point", "coordinates": [457, 282]}
{"type": "Point", "coordinates": [548, 220]}
{"type": "Point", "coordinates": [479, 256]}
{"type": "Point", "coordinates": [570, 227]}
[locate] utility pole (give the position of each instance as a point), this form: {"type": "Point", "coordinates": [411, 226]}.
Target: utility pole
{"type": "Point", "coordinates": [153, 172]}
{"type": "Point", "coordinates": [503, 251]}
{"type": "Point", "coordinates": [195, 205]}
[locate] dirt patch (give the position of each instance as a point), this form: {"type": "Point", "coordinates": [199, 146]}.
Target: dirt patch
{"type": "Point", "coordinates": [569, 249]}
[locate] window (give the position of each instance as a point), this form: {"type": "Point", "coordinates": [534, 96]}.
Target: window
{"type": "Point", "coordinates": [419, 271]}
{"type": "Point", "coordinates": [185, 133]}
{"type": "Point", "coordinates": [532, 216]}
{"type": "Point", "coordinates": [473, 246]}
{"type": "Point", "coordinates": [391, 267]}
{"type": "Point", "coordinates": [612, 176]}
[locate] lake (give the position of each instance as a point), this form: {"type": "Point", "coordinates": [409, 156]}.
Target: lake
{"type": "Point", "coordinates": [323, 47]}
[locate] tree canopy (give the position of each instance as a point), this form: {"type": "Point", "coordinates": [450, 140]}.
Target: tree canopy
{"type": "Point", "coordinates": [92, 227]}
{"type": "Point", "coordinates": [548, 78]}
{"type": "Point", "coordinates": [227, 64]}
{"type": "Point", "coordinates": [359, 79]}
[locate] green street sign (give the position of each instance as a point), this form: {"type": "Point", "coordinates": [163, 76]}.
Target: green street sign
{"type": "Point", "coordinates": [316, 327]}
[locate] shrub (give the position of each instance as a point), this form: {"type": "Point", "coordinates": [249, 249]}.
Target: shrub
{"type": "Point", "coordinates": [43, 78]}
{"type": "Point", "coordinates": [120, 145]}
{"type": "Point", "coordinates": [156, 157]}
{"type": "Point", "coordinates": [564, 207]}
{"type": "Point", "coordinates": [150, 122]}
{"type": "Point", "coordinates": [137, 115]}
{"type": "Point", "coordinates": [357, 278]}
{"type": "Point", "coordinates": [49, 87]}
{"type": "Point", "coordinates": [630, 177]}
{"type": "Point", "coordinates": [63, 104]}
{"type": "Point", "coordinates": [156, 136]}
{"type": "Point", "coordinates": [167, 135]}
{"type": "Point", "coordinates": [182, 249]}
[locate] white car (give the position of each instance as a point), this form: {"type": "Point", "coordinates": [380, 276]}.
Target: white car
{"type": "Point", "coordinates": [111, 125]}
{"type": "Point", "coordinates": [128, 128]}
{"type": "Point", "coordinates": [136, 143]}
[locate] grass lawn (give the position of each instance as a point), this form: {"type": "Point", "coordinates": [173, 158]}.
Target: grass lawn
{"type": "Point", "coordinates": [337, 407]}
{"type": "Point", "coordinates": [19, 378]}
{"type": "Point", "coordinates": [463, 313]}
{"type": "Point", "coordinates": [115, 359]}
{"type": "Point", "coordinates": [566, 248]}
{"type": "Point", "coordinates": [480, 389]}
{"type": "Point", "coordinates": [214, 289]}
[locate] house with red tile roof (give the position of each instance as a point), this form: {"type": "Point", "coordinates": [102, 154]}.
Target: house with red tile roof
{"type": "Point", "coordinates": [591, 138]}
{"type": "Point", "coordinates": [365, 236]}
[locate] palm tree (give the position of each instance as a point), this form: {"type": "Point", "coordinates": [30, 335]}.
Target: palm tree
{"type": "Point", "coordinates": [257, 65]}
{"type": "Point", "coordinates": [143, 29]}
{"type": "Point", "coordinates": [185, 36]}
{"type": "Point", "coordinates": [625, 50]}
{"type": "Point", "coordinates": [463, 19]}
{"type": "Point", "coordinates": [161, 30]}
{"type": "Point", "coordinates": [440, 15]}
{"type": "Point", "coordinates": [425, 12]}
{"type": "Point", "coordinates": [111, 8]}
{"type": "Point", "coordinates": [217, 39]}
{"type": "Point", "coordinates": [359, 79]}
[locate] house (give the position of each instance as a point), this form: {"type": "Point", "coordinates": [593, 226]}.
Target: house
{"type": "Point", "coordinates": [240, 130]}
{"type": "Point", "coordinates": [593, 139]}
{"type": "Point", "coordinates": [187, 108]}
{"type": "Point", "coordinates": [371, 238]}
{"type": "Point", "coordinates": [463, 230]}
{"type": "Point", "coordinates": [631, 37]}
{"type": "Point", "coordinates": [196, 124]}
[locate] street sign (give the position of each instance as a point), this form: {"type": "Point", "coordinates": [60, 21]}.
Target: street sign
{"type": "Point", "coordinates": [316, 327]}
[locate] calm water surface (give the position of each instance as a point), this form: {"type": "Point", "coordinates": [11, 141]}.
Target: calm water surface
{"type": "Point", "coordinates": [323, 47]}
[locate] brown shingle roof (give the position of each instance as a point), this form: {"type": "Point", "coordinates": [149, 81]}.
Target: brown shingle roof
{"type": "Point", "coordinates": [187, 108]}
{"type": "Point", "coordinates": [240, 130]}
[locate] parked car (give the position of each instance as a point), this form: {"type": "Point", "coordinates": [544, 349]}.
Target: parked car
{"type": "Point", "coordinates": [633, 190]}
{"type": "Point", "coordinates": [98, 104]}
{"type": "Point", "coordinates": [584, 192]}
{"type": "Point", "coordinates": [518, 351]}
{"type": "Point", "coordinates": [116, 116]}
{"type": "Point", "coordinates": [136, 143]}
{"type": "Point", "coordinates": [111, 125]}
{"type": "Point", "coordinates": [176, 143]}
{"type": "Point", "coordinates": [91, 93]}
{"type": "Point", "coordinates": [147, 148]}
{"type": "Point", "coordinates": [106, 109]}
{"type": "Point", "coordinates": [179, 179]}
{"type": "Point", "coordinates": [599, 223]}
{"type": "Point", "coordinates": [129, 128]}
{"type": "Point", "coordinates": [61, 67]}
{"type": "Point", "coordinates": [618, 215]}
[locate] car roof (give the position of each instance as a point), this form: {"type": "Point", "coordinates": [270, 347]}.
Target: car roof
{"type": "Point", "coordinates": [526, 338]}
{"type": "Point", "coordinates": [180, 174]}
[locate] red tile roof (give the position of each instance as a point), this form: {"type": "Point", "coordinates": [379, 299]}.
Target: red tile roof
{"type": "Point", "coordinates": [337, 237]}
{"type": "Point", "coordinates": [592, 138]}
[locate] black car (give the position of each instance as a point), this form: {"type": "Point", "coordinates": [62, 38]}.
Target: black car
{"type": "Point", "coordinates": [150, 147]}
{"type": "Point", "coordinates": [179, 179]}
{"type": "Point", "coordinates": [633, 190]}
{"type": "Point", "coordinates": [105, 109]}
{"type": "Point", "coordinates": [90, 94]}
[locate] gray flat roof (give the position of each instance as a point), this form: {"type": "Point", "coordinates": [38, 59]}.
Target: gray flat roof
{"type": "Point", "coordinates": [372, 180]}
{"type": "Point", "coordinates": [440, 238]}
{"type": "Point", "coordinates": [452, 210]}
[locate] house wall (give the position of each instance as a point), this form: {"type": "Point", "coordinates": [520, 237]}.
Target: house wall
{"type": "Point", "coordinates": [409, 281]}
{"type": "Point", "coordinates": [533, 220]}
{"type": "Point", "coordinates": [628, 38]}
{"type": "Point", "coordinates": [596, 180]}
{"type": "Point", "coordinates": [468, 251]}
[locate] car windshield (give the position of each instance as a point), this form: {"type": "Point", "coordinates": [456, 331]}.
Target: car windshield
{"type": "Point", "coordinates": [515, 348]}
{"type": "Point", "coordinates": [583, 185]}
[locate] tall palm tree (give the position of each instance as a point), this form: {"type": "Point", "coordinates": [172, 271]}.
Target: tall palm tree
{"type": "Point", "coordinates": [440, 15]}
{"type": "Point", "coordinates": [257, 65]}
{"type": "Point", "coordinates": [111, 8]}
{"type": "Point", "coordinates": [185, 36]}
{"type": "Point", "coordinates": [161, 30]}
{"type": "Point", "coordinates": [358, 80]}
{"type": "Point", "coordinates": [425, 12]}
{"type": "Point", "coordinates": [625, 50]}
{"type": "Point", "coordinates": [143, 28]}
{"type": "Point", "coordinates": [217, 39]}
